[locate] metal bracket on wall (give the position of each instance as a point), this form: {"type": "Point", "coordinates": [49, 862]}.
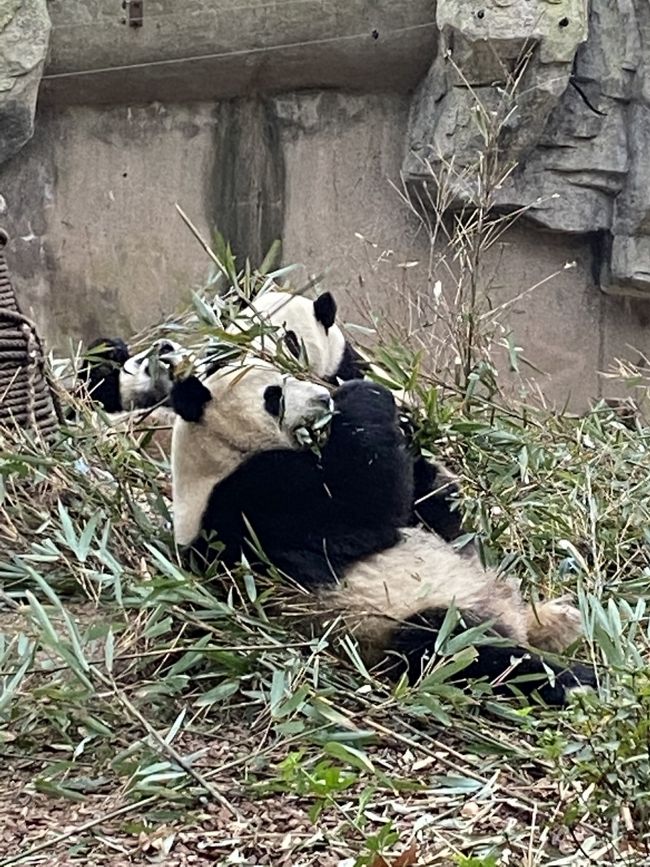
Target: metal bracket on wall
{"type": "Point", "coordinates": [134, 12]}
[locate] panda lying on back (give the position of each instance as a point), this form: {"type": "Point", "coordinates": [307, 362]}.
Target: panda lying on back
{"type": "Point", "coordinates": [332, 523]}
{"type": "Point", "coordinates": [308, 330]}
{"type": "Point", "coordinates": [121, 382]}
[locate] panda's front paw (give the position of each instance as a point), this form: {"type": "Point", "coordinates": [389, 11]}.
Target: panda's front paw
{"type": "Point", "coordinates": [578, 678]}
{"type": "Point", "coordinates": [436, 490]}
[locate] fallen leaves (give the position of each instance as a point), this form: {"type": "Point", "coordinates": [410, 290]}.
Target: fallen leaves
{"type": "Point", "coordinates": [406, 859]}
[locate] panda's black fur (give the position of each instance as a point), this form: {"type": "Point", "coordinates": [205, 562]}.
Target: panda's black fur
{"type": "Point", "coordinates": [333, 521]}
{"type": "Point", "coordinates": [435, 490]}
{"type": "Point", "coordinates": [99, 374]}
{"type": "Point", "coordinates": [105, 378]}
{"type": "Point", "coordinates": [294, 500]}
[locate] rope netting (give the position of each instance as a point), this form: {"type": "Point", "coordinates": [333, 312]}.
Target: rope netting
{"type": "Point", "coordinates": [27, 402]}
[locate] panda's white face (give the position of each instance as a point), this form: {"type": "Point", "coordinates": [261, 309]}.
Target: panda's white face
{"type": "Point", "coordinates": [294, 321]}
{"type": "Point", "coordinates": [236, 413]}
{"type": "Point", "coordinates": [255, 407]}
{"type": "Point", "coordinates": [146, 378]}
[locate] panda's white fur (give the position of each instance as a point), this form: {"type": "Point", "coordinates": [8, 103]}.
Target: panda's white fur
{"type": "Point", "coordinates": [203, 455]}
{"type": "Point", "coordinates": [323, 344]}
{"type": "Point", "coordinates": [376, 594]}
{"type": "Point", "coordinates": [132, 389]}
{"type": "Point", "coordinates": [120, 382]}
{"type": "Point", "coordinates": [423, 571]}
{"type": "Point", "coordinates": [143, 379]}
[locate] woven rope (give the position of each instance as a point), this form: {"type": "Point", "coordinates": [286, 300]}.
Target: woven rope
{"type": "Point", "coordinates": [27, 401]}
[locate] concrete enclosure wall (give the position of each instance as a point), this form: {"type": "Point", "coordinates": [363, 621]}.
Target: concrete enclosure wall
{"type": "Point", "coordinates": [305, 144]}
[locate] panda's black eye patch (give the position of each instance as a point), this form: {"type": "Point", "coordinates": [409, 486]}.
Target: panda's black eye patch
{"type": "Point", "coordinates": [292, 343]}
{"type": "Point", "coordinates": [273, 400]}
{"type": "Point", "coordinates": [165, 348]}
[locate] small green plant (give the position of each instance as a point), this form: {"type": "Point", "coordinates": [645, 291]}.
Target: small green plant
{"type": "Point", "coordinates": [601, 756]}
{"type": "Point", "coordinates": [488, 861]}
{"type": "Point", "coordinates": [375, 845]}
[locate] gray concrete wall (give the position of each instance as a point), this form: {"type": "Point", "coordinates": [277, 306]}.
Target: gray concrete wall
{"type": "Point", "coordinates": [237, 140]}
{"type": "Point", "coordinates": [97, 245]}
{"type": "Point", "coordinates": [215, 49]}
{"type": "Point", "coordinates": [96, 242]}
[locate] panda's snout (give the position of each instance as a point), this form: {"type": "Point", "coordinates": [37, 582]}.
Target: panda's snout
{"type": "Point", "coordinates": [323, 400]}
{"type": "Point", "coordinates": [321, 406]}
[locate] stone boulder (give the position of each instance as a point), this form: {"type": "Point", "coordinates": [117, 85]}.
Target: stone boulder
{"type": "Point", "coordinates": [576, 125]}
{"type": "Point", "coordinates": [24, 38]}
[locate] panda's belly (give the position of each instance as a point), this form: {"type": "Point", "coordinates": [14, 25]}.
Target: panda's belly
{"type": "Point", "coordinates": [423, 572]}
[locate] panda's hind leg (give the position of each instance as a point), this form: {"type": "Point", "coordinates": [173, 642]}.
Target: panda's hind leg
{"type": "Point", "coordinates": [553, 625]}
{"type": "Point", "coordinates": [412, 646]}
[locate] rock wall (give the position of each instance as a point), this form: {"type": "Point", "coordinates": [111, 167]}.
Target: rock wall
{"type": "Point", "coordinates": [577, 124]}
{"type": "Point", "coordinates": [312, 144]}
{"type": "Point", "coordinates": [24, 34]}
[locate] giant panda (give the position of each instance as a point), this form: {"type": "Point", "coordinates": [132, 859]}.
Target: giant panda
{"type": "Point", "coordinates": [308, 330]}
{"type": "Point", "coordinates": [121, 382]}
{"type": "Point", "coordinates": [124, 385]}
{"type": "Point", "coordinates": [331, 517]}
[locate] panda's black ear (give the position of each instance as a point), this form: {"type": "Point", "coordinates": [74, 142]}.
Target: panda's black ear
{"type": "Point", "coordinates": [110, 349]}
{"type": "Point", "coordinates": [325, 310]}
{"type": "Point", "coordinates": [189, 397]}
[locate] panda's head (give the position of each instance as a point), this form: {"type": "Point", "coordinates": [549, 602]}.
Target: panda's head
{"type": "Point", "coordinates": [307, 330]}
{"type": "Point", "coordinates": [236, 413]}
{"type": "Point", "coordinates": [120, 381]}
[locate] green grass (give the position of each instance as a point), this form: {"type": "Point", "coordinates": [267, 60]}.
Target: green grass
{"type": "Point", "coordinates": [145, 713]}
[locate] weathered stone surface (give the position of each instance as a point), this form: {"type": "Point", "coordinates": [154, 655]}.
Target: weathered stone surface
{"type": "Point", "coordinates": [578, 124]}
{"type": "Point", "coordinates": [24, 35]}
{"type": "Point", "coordinates": [482, 46]}
{"type": "Point", "coordinates": [219, 49]}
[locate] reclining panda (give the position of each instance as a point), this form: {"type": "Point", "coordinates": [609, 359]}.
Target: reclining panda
{"type": "Point", "coordinates": [308, 330]}
{"type": "Point", "coordinates": [331, 519]}
{"type": "Point", "coordinates": [121, 382]}
{"type": "Point", "coordinates": [124, 385]}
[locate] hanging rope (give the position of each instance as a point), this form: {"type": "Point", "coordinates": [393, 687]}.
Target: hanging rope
{"type": "Point", "coordinates": [26, 399]}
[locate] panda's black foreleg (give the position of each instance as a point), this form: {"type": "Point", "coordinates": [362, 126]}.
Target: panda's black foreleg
{"type": "Point", "coordinates": [434, 496]}
{"type": "Point", "coordinates": [435, 491]}
{"type": "Point", "coordinates": [366, 464]}
{"type": "Point", "coordinates": [413, 645]}
{"type": "Point", "coordinates": [321, 560]}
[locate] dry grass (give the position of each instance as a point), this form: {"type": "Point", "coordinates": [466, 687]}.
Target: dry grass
{"type": "Point", "coordinates": [146, 716]}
